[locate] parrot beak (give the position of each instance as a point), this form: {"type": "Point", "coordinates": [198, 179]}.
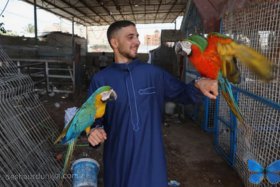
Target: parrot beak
{"type": "Point", "coordinates": [183, 48]}
{"type": "Point", "coordinates": [108, 95]}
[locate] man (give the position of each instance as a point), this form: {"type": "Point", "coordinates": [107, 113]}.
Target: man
{"type": "Point", "coordinates": [133, 149]}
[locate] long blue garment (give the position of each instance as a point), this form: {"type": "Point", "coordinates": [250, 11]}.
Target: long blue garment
{"type": "Point", "coordinates": [134, 151]}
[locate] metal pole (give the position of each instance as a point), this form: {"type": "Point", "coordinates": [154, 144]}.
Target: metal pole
{"type": "Point", "coordinates": [73, 57]}
{"type": "Point", "coordinates": [35, 20]}
{"type": "Point", "coordinates": [47, 76]}
{"type": "Point", "coordinates": [87, 39]}
{"type": "Point", "coordinates": [73, 32]}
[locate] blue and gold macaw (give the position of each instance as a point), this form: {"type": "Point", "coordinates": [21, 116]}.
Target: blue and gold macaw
{"type": "Point", "coordinates": [92, 109]}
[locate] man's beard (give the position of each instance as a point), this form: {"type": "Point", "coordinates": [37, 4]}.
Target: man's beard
{"type": "Point", "coordinates": [128, 55]}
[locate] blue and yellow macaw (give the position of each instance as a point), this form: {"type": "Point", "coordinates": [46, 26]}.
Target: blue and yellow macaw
{"type": "Point", "coordinates": [92, 109]}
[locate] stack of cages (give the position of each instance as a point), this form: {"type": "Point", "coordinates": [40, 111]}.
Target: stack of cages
{"type": "Point", "coordinates": [256, 25]}
{"type": "Point", "coordinates": [202, 114]}
{"type": "Point", "coordinates": [27, 132]}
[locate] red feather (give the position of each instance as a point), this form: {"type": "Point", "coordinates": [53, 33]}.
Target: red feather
{"type": "Point", "coordinates": [208, 62]}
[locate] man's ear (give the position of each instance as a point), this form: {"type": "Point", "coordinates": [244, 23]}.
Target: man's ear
{"type": "Point", "coordinates": [114, 43]}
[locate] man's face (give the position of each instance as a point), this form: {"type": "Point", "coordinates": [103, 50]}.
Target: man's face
{"type": "Point", "coordinates": [126, 43]}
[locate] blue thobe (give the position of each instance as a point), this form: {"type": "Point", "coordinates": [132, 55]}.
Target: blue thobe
{"type": "Point", "coordinates": [134, 151]}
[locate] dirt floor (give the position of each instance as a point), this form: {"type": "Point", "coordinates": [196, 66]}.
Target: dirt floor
{"type": "Point", "coordinates": [192, 160]}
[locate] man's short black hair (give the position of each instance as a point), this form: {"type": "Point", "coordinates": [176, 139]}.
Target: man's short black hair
{"type": "Point", "coordinates": [114, 27]}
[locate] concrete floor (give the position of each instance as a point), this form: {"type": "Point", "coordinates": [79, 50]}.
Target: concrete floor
{"type": "Point", "coordinates": [191, 157]}
{"type": "Point", "coordinates": [192, 160]}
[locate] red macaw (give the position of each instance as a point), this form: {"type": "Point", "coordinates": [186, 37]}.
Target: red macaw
{"type": "Point", "coordinates": [215, 58]}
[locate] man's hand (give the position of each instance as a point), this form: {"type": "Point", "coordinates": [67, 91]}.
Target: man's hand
{"type": "Point", "coordinates": [97, 136]}
{"type": "Point", "coordinates": [208, 87]}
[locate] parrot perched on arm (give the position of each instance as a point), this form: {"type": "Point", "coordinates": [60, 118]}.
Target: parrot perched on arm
{"type": "Point", "coordinates": [92, 109]}
{"type": "Point", "coordinates": [215, 58]}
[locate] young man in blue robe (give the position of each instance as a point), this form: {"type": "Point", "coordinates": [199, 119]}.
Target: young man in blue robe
{"type": "Point", "coordinates": [132, 135]}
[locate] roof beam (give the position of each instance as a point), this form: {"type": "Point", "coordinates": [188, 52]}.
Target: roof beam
{"type": "Point", "coordinates": [142, 12]}
{"type": "Point", "coordinates": [174, 3]}
{"type": "Point", "coordinates": [157, 10]}
{"type": "Point", "coordinates": [151, 20]}
{"type": "Point", "coordinates": [145, 11]}
{"type": "Point", "coordinates": [103, 12]}
{"type": "Point", "coordinates": [118, 7]}
{"type": "Point", "coordinates": [130, 4]}
{"type": "Point", "coordinates": [100, 2]}
{"type": "Point", "coordinates": [178, 14]}
{"type": "Point", "coordinates": [86, 5]}
{"type": "Point", "coordinates": [52, 4]}
{"type": "Point", "coordinates": [73, 7]}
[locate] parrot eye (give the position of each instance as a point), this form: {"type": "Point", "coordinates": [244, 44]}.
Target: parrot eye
{"type": "Point", "coordinates": [108, 95]}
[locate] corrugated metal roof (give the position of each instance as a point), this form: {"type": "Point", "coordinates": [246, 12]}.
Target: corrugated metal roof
{"type": "Point", "coordinates": [104, 12]}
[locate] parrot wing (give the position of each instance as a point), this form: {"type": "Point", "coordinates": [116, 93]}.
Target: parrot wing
{"type": "Point", "coordinates": [228, 64]}
{"type": "Point", "coordinates": [232, 71]}
{"type": "Point", "coordinates": [94, 107]}
{"type": "Point", "coordinates": [83, 118]}
{"type": "Point", "coordinates": [255, 61]}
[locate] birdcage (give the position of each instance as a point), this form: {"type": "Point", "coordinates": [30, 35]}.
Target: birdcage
{"type": "Point", "coordinates": [257, 25]}
{"type": "Point", "coordinates": [26, 132]}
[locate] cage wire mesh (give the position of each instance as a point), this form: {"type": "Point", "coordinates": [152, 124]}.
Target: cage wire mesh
{"type": "Point", "coordinates": [209, 124]}
{"type": "Point", "coordinates": [224, 131]}
{"type": "Point", "coordinates": [257, 25]}
{"type": "Point", "coordinates": [202, 114]}
{"type": "Point", "coordinates": [26, 132]}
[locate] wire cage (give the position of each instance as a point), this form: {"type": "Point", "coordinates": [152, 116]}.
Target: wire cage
{"type": "Point", "coordinates": [26, 132]}
{"type": "Point", "coordinates": [258, 25]}
{"type": "Point", "coordinates": [203, 114]}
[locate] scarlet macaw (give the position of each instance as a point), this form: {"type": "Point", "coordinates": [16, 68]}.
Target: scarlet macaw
{"type": "Point", "coordinates": [215, 58]}
{"type": "Point", "coordinates": [92, 109]}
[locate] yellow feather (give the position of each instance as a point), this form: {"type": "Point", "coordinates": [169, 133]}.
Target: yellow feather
{"type": "Point", "coordinates": [88, 130]}
{"type": "Point", "coordinates": [100, 107]}
{"type": "Point", "coordinates": [255, 61]}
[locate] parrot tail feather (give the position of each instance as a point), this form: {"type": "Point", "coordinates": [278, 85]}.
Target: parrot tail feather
{"type": "Point", "coordinates": [62, 135]}
{"type": "Point", "coordinates": [59, 138]}
{"type": "Point", "coordinates": [228, 95]}
{"type": "Point", "coordinates": [68, 157]}
{"type": "Point", "coordinates": [233, 106]}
